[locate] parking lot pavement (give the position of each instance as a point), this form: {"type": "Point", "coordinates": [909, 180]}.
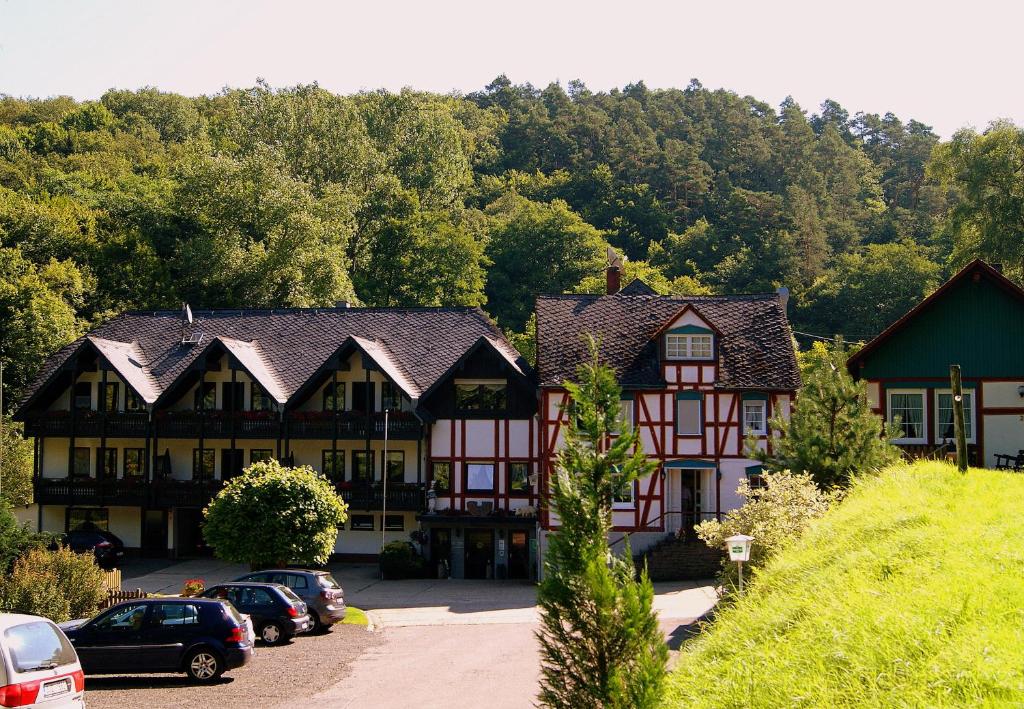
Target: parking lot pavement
{"type": "Point", "coordinates": [154, 576]}
{"type": "Point", "coordinates": [282, 676]}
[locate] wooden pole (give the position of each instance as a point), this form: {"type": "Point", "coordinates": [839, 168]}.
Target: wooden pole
{"type": "Point", "coordinates": [958, 417]}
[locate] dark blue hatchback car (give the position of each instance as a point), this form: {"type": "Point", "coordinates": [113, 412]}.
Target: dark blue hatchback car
{"type": "Point", "coordinates": [200, 637]}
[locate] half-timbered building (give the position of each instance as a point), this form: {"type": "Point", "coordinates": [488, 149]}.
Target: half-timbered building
{"type": "Point", "coordinates": [140, 422]}
{"type": "Point", "coordinates": [700, 377]}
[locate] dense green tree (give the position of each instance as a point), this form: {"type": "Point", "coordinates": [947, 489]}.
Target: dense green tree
{"type": "Point", "coordinates": [536, 248]}
{"type": "Point", "coordinates": [15, 464]}
{"type": "Point", "coordinates": [599, 636]}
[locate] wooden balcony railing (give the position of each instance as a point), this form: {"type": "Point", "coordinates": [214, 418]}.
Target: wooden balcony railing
{"type": "Point", "coordinates": [217, 424]}
{"type": "Point", "coordinates": [325, 425]}
{"type": "Point", "coordinates": [402, 497]}
{"type": "Point", "coordinates": [125, 491]}
{"type": "Point", "coordinates": [88, 423]}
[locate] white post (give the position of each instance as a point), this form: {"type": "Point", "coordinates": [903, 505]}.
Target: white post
{"type": "Point", "coordinates": [384, 476]}
{"type": "Point", "coordinates": [740, 565]}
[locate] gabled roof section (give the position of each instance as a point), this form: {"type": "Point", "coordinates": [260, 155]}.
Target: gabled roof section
{"type": "Point", "coordinates": [755, 349]}
{"type": "Point", "coordinates": [259, 368]}
{"type": "Point", "coordinates": [637, 287]}
{"type": "Point", "coordinates": [378, 352]}
{"type": "Point", "coordinates": [127, 360]}
{"type": "Point", "coordinates": [974, 268]}
{"type": "Point", "coordinates": [500, 347]}
{"type": "Point", "coordinates": [688, 308]}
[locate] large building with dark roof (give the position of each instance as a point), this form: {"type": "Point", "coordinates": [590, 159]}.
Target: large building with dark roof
{"type": "Point", "coordinates": [426, 419]}
{"type": "Point", "coordinates": [700, 376]}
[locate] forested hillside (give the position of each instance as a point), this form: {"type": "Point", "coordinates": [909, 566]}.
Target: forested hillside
{"type": "Point", "coordinates": [300, 197]}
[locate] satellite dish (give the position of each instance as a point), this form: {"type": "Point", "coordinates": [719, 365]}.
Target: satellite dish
{"type": "Point", "coordinates": [614, 258]}
{"type": "Point", "coordinates": [187, 313]}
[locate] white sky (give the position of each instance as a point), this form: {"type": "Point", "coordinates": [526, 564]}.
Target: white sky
{"type": "Point", "coordinates": [946, 64]}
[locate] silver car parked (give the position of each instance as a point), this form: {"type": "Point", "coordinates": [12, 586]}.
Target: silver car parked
{"type": "Point", "coordinates": [322, 594]}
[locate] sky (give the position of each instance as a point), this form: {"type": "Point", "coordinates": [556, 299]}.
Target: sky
{"type": "Point", "coordinates": [946, 64]}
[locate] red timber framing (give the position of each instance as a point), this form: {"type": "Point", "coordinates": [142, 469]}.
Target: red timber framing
{"type": "Point", "coordinates": [654, 415]}
{"type": "Point", "coordinates": [502, 453]}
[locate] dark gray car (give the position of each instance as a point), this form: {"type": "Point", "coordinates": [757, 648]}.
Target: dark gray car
{"type": "Point", "coordinates": [322, 594]}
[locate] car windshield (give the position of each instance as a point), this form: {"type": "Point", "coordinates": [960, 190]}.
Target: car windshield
{"type": "Point", "coordinates": [38, 646]}
{"type": "Point", "coordinates": [327, 581]}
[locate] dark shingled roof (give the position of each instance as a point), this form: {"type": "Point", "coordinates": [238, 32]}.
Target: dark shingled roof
{"type": "Point", "coordinates": [755, 348]}
{"type": "Point", "coordinates": [422, 343]}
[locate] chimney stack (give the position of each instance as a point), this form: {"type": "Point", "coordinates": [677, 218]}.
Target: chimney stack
{"type": "Point", "coordinates": [783, 297]}
{"type": "Point", "coordinates": [613, 272]}
{"type": "Point", "coordinates": [343, 304]}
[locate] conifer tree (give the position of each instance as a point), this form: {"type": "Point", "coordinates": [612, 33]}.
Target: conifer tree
{"type": "Point", "coordinates": [600, 642]}
{"type": "Point", "coordinates": [832, 433]}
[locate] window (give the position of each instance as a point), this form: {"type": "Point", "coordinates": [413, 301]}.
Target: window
{"type": "Point", "coordinates": [37, 644]}
{"type": "Point", "coordinates": [754, 418]}
{"type": "Point", "coordinates": [134, 462]}
{"type": "Point", "coordinates": [362, 466]}
{"type": "Point", "coordinates": [332, 465]}
{"type": "Point", "coordinates": [82, 396]}
{"type": "Point", "coordinates": [362, 522]}
{"type": "Point", "coordinates": [481, 395]}
{"type": "Point", "coordinates": [175, 614]}
{"type": "Point", "coordinates": [396, 466]}
{"type": "Point", "coordinates": [390, 397]}
{"type": "Point", "coordinates": [909, 407]}
{"type": "Point", "coordinates": [689, 420]}
{"type": "Point", "coordinates": [81, 466]}
{"type": "Point", "coordinates": [87, 519]}
{"type": "Point", "coordinates": [442, 476]}
{"type": "Point", "coordinates": [626, 414]}
{"type": "Point", "coordinates": [132, 401]}
{"type": "Point", "coordinates": [688, 346]}
{"type": "Point", "coordinates": [106, 462]}
{"type": "Point", "coordinates": [260, 455]}
{"type": "Point", "coordinates": [394, 523]}
{"type": "Point", "coordinates": [259, 399]}
{"type": "Point", "coordinates": [334, 392]}
{"type": "Point", "coordinates": [232, 461]}
{"type": "Point", "coordinates": [362, 397]}
{"type": "Point", "coordinates": [208, 462]}
{"type": "Point", "coordinates": [625, 497]}
{"type": "Point", "coordinates": [944, 416]}
{"type": "Point", "coordinates": [518, 478]}
{"type": "Point", "coordinates": [110, 397]}
{"type": "Point", "coordinates": [480, 477]}
{"type": "Point", "coordinates": [205, 396]}
{"type": "Point", "coordinates": [232, 396]}
{"type": "Point", "coordinates": [125, 619]}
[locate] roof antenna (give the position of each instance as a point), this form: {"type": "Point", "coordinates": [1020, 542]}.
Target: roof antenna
{"type": "Point", "coordinates": [188, 335]}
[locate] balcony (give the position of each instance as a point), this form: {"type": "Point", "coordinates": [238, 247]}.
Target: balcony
{"type": "Point", "coordinates": [217, 424]}
{"type": "Point", "coordinates": [351, 425]}
{"type": "Point", "coordinates": [87, 423]}
{"type": "Point", "coordinates": [402, 497]}
{"type": "Point", "coordinates": [125, 491]}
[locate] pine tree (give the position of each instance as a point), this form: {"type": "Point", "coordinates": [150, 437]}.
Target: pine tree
{"type": "Point", "coordinates": [600, 642]}
{"type": "Point", "coordinates": [832, 433]}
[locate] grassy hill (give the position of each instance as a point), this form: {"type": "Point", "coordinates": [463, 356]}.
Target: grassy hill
{"type": "Point", "coordinates": [910, 593]}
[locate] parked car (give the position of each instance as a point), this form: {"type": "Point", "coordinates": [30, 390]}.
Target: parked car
{"type": "Point", "coordinates": [198, 636]}
{"type": "Point", "coordinates": [38, 666]}
{"type": "Point", "coordinates": [106, 546]}
{"type": "Point", "coordinates": [322, 594]}
{"type": "Point", "coordinates": [277, 613]}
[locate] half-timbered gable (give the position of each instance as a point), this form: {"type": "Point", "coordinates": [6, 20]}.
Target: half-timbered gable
{"type": "Point", "coordinates": [700, 377]}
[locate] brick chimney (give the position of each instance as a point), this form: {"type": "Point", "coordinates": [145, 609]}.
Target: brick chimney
{"type": "Point", "coordinates": [613, 272]}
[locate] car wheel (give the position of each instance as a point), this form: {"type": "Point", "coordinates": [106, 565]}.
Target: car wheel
{"type": "Point", "coordinates": [204, 665]}
{"type": "Point", "coordinates": [271, 634]}
{"type": "Point", "coordinates": [318, 626]}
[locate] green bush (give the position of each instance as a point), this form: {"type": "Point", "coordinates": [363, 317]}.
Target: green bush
{"type": "Point", "coordinates": [774, 516]}
{"type": "Point", "coordinates": [16, 539]}
{"type": "Point", "coordinates": [399, 560]}
{"type": "Point", "coordinates": [59, 585]}
{"type": "Point", "coordinates": [271, 515]}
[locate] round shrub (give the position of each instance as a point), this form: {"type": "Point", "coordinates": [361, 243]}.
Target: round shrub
{"type": "Point", "coordinates": [399, 560]}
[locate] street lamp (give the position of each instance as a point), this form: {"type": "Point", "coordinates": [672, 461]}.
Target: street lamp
{"type": "Point", "coordinates": [739, 551]}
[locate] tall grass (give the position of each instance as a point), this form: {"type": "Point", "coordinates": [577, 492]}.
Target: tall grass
{"type": "Point", "coordinates": [910, 593]}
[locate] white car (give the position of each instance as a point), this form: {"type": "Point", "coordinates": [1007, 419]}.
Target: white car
{"type": "Point", "coordinates": [38, 666]}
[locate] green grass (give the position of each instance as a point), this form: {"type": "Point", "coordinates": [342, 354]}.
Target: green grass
{"type": "Point", "coordinates": [910, 593]}
{"type": "Point", "coordinates": [355, 616]}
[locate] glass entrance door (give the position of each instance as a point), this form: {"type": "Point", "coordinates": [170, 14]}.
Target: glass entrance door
{"type": "Point", "coordinates": [479, 553]}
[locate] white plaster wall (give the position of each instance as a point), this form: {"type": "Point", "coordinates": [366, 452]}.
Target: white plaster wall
{"type": "Point", "coordinates": [369, 542]}
{"type": "Point", "coordinates": [27, 514]}
{"type": "Point", "coordinates": [479, 439]}
{"type": "Point", "coordinates": [733, 471]}
{"type": "Point", "coordinates": [1002, 395]}
{"type": "Point", "coordinates": [310, 452]}
{"type": "Point", "coordinates": [1004, 433]}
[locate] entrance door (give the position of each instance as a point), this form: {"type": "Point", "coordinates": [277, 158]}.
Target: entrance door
{"type": "Point", "coordinates": [154, 533]}
{"type": "Point", "coordinates": [440, 550]}
{"type": "Point", "coordinates": [690, 502]}
{"type": "Point", "coordinates": [188, 535]}
{"type": "Point", "coordinates": [479, 553]}
{"type": "Point", "coordinates": [519, 555]}
{"type": "Point", "coordinates": [231, 462]}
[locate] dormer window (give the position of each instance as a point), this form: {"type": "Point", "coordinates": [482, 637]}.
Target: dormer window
{"type": "Point", "coordinates": [688, 345]}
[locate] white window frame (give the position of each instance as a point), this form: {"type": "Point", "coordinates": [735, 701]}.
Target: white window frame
{"type": "Point", "coordinates": [681, 346]}
{"type": "Point", "coordinates": [973, 414]}
{"type": "Point", "coordinates": [763, 408]}
{"type": "Point", "coordinates": [626, 408]}
{"type": "Point", "coordinates": [923, 393]}
{"type": "Point", "coordinates": [629, 504]}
